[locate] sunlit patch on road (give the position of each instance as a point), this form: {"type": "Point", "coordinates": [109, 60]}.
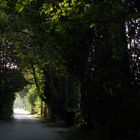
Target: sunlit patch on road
{"type": "Point", "coordinates": [20, 114]}
{"type": "Point", "coordinates": [20, 111]}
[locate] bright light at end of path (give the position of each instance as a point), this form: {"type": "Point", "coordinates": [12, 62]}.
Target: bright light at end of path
{"type": "Point", "coordinates": [20, 114]}
{"type": "Point", "coordinates": [20, 111]}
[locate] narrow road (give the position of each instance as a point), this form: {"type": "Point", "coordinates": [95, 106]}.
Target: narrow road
{"type": "Point", "coordinates": [25, 127]}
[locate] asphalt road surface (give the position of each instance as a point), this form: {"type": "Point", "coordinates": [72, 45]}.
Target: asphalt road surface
{"type": "Point", "coordinates": [25, 127]}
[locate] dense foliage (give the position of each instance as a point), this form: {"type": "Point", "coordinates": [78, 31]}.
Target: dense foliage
{"type": "Point", "coordinates": [72, 47]}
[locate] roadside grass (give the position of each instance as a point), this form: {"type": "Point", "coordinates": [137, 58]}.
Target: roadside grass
{"type": "Point", "coordinates": [37, 116]}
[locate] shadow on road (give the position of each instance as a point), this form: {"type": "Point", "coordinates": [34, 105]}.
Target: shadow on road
{"type": "Point", "coordinates": [25, 127]}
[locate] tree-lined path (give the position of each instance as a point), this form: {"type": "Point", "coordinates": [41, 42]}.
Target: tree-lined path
{"type": "Point", "coordinates": [25, 127]}
{"type": "Point", "coordinates": [72, 61]}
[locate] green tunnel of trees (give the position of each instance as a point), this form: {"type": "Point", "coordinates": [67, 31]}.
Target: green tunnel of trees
{"type": "Point", "coordinates": [81, 56]}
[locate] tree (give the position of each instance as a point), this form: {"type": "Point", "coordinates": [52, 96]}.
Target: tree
{"type": "Point", "coordinates": [94, 48]}
{"type": "Point", "coordinates": [39, 54]}
{"type": "Point", "coordinates": [96, 42]}
{"type": "Point", "coordinates": [9, 84]}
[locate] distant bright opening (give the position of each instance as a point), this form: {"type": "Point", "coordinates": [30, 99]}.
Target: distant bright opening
{"type": "Point", "coordinates": [19, 109]}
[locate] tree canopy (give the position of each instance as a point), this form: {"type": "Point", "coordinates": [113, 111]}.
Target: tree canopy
{"type": "Point", "coordinates": [79, 53]}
